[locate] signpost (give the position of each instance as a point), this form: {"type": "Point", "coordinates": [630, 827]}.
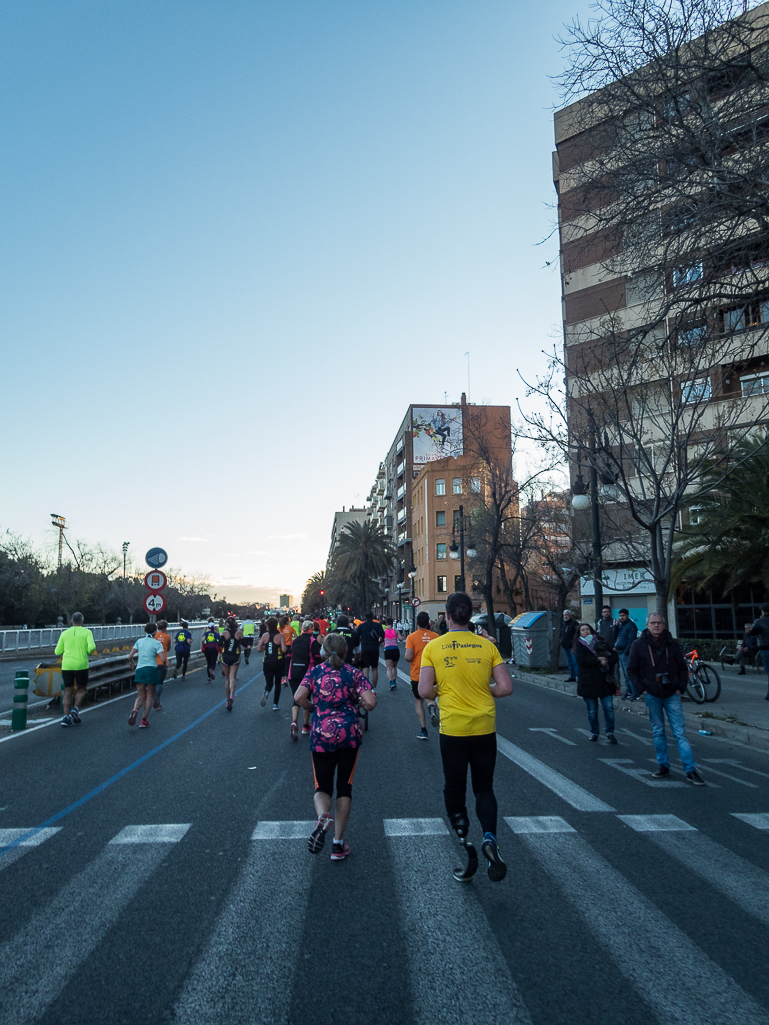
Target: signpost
{"type": "Point", "coordinates": [154, 603]}
{"type": "Point", "coordinates": [155, 582]}
{"type": "Point", "coordinates": [415, 603]}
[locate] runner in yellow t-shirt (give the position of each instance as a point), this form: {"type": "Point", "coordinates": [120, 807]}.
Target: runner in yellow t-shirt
{"type": "Point", "coordinates": [467, 674]}
{"type": "Point", "coordinates": [75, 646]}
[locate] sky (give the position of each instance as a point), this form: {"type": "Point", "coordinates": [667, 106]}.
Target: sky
{"type": "Point", "coordinates": [240, 237]}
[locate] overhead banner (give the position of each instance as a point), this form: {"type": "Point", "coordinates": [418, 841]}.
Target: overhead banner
{"type": "Point", "coordinates": [437, 433]}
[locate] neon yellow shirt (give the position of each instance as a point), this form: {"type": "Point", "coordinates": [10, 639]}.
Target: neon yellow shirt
{"type": "Point", "coordinates": [463, 662]}
{"type": "Point", "coordinates": [248, 628]}
{"type": "Point", "coordinates": [75, 644]}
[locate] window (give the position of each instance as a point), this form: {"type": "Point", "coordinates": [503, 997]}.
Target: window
{"type": "Point", "coordinates": [691, 335]}
{"type": "Point", "coordinates": [442, 588]}
{"type": "Point", "coordinates": [740, 317]}
{"type": "Point", "coordinates": [456, 485]}
{"type": "Point", "coordinates": [455, 521]}
{"type": "Point", "coordinates": [475, 485]}
{"type": "Point", "coordinates": [440, 486]}
{"type": "Point", "coordinates": [440, 518]}
{"type": "Point", "coordinates": [686, 275]}
{"type": "Point", "coordinates": [440, 551]}
{"type": "Point", "coordinates": [754, 384]}
{"type": "Point", "coordinates": [696, 391]}
{"type": "Point", "coordinates": [457, 582]}
{"type": "Point", "coordinates": [695, 515]}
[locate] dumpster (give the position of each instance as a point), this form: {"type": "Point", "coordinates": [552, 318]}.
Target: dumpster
{"type": "Point", "coordinates": [533, 634]}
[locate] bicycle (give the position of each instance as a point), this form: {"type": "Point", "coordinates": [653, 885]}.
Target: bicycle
{"type": "Point", "coordinates": [728, 657]}
{"type": "Point", "coordinates": [703, 683]}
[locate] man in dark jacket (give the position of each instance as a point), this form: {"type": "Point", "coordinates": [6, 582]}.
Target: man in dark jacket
{"type": "Point", "coordinates": [625, 633]}
{"type": "Point", "coordinates": [370, 636]}
{"type": "Point", "coordinates": [568, 633]}
{"type": "Point", "coordinates": [748, 648]}
{"type": "Point", "coordinates": [605, 627]}
{"type": "Point", "coordinates": [760, 629]}
{"type": "Point", "coordinates": [657, 669]}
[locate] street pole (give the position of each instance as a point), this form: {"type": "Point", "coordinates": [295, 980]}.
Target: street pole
{"type": "Point", "coordinates": [461, 549]}
{"type": "Point", "coordinates": [596, 524]}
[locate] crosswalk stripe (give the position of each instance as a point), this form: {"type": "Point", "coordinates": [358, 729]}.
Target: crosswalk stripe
{"type": "Point", "coordinates": [244, 974]}
{"type": "Point", "coordinates": [742, 882]}
{"type": "Point", "coordinates": [169, 833]}
{"type": "Point", "coordinates": [718, 772]}
{"type": "Point", "coordinates": [759, 820]}
{"type": "Point", "coordinates": [539, 824]}
{"type": "Point", "coordinates": [637, 736]}
{"type": "Point", "coordinates": [642, 775]}
{"type": "Point", "coordinates": [282, 830]}
{"type": "Point", "coordinates": [687, 989]}
{"type": "Point", "coordinates": [568, 791]}
{"type": "Point", "coordinates": [461, 974]}
{"type": "Point", "coordinates": [415, 827]}
{"type": "Point", "coordinates": [23, 840]}
{"type": "Point", "coordinates": [656, 823]}
{"type": "Point", "coordinates": [680, 772]}
{"type": "Point", "coordinates": [73, 925]}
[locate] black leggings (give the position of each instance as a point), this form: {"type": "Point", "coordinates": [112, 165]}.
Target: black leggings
{"type": "Point", "coordinates": [212, 656]}
{"type": "Point", "coordinates": [343, 760]}
{"type": "Point", "coordinates": [272, 678]}
{"type": "Point", "coordinates": [181, 660]}
{"type": "Point", "coordinates": [480, 754]}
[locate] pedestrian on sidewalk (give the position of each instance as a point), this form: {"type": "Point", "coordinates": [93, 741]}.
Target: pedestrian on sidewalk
{"type": "Point", "coordinates": [182, 648]}
{"type": "Point", "coordinates": [75, 645]}
{"type": "Point", "coordinates": [605, 627]}
{"type": "Point", "coordinates": [748, 649]}
{"type": "Point", "coordinates": [626, 633]}
{"type": "Point", "coordinates": [333, 691]}
{"type": "Point", "coordinates": [146, 649]}
{"type": "Point", "coordinates": [596, 682]}
{"type": "Point", "coordinates": [760, 629]}
{"type": "Point", "coordinates": [164, 637]}
{"type": "Point", "coordinates": [568, 636]}
{"type": "Point", "coordinates": [468, 675]}
{"type": "Point", "coordinates": [658, 671]}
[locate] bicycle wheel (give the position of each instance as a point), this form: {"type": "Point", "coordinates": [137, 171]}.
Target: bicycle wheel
{"type": "Point", "coordinates": [695, 688]}
{"type": "Point", "coordinates": [711, 681]}
{"type": "Point", "coordinates": [727, 659]}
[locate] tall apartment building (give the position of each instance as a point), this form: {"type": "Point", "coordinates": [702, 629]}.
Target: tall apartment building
{"type": "Point", "coordinates": [341, 519]}
{"type": "Point", "coordinates": [661, 189]}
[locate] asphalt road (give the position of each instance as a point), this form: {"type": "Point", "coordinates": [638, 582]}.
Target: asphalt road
{"type": "Point", "coordinates": [171, 882]}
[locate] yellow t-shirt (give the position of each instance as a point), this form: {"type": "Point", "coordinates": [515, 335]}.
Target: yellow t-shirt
{"type": "Point", "coordinates": [463, 662]}
{"type": "Point", "coordinates": [75, 645]}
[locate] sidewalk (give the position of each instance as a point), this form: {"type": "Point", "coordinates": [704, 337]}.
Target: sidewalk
{"type": "Point", "coordinates": [740, 714]}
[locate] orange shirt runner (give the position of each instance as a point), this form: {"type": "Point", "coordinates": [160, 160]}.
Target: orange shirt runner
{"type": "Point", "coordinates": [418, 641]}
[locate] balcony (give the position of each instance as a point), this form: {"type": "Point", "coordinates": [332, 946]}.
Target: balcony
{"type": "Point", "coordinates": [400, 468]}
{"type": "Point", "coordinates": [401, 516]}
{"type": "Point", "coordinates": [400, 492]}
{"type": "Point", "coordinates": [399, 447]}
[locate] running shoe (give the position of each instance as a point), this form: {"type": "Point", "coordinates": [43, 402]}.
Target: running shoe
{"type": "Point", "coordinates": [75, 715]}
{"type": "Point", "coordinates": [318, 835]}
{"type": "Point", "coordinates": [422, 735]}
{"type": "Point", "coordinates": [305, 729]}
{"type": "Point", "coordinates": [143, 724]}
{"type": "Point", "coordinates": [393, 685]}
{"type": "Point", "coordinates": [294, 731]}
{"type": "Point", "coordinates": [497, 867]}
{"type": "Point", "coordinates": [275, 708]}
{"type": "Point", "coordinates": [339, 850]}
{"type": "Point", "coordinates": [263, 702]}
{"type": "Point", "coordinates": [132, 717]}
{"type": "Point", "coordinates": [66, 721]}
{"type": "Point", "coordinates": [157, 706]}
{"type": "Point", "coordinates": [434, 717]}
{"type": "Point", "coordinates": [228, 704]}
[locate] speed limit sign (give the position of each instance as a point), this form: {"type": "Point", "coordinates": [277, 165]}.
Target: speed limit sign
{"type": "Point", "coordinates": [154, 603]}
{"type": "Point", "coordinates": [415, 602]}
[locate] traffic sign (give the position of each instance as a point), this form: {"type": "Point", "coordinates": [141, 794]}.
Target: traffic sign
{"type": "Point", "coordinates": [155, 580]}
{"type": "Point", "coordinates": [415, 602]}
{"type": "Point", "coordinates": [154, 603]}
{"type": "Point", "coordinates": [156, 557]}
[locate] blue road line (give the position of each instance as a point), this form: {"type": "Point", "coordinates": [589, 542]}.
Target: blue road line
{"type": "Point", "coordinates": [118, 775]}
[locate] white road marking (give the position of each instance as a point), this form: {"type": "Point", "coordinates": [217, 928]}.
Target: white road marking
{"type": "Point", "coordinates": [735, 779]}
{"type": "Point", "coordinates": [570, 792]}
{"type": "Point", "coordinates": [73, 924]}
{"type": "Point", "coordinates": [460, 972]}
{"type": "Point", "coordinates": [656, 823]}
{"type": "Point", "coordinates": [415, 827]}
{"type": "Point", "coordinates": [7, 836]}
{"type": "Point", "coordinates": [736, 764]}
{"type": "Point", "coordinates": [739, 880]}
{"type": "Point", "coordinates": [687, 989]}
{"type": "Point", "coordinates": [539, 824]}
{"type": "Point", "coordinates": [680, 772]}
{"type": "Point", "coordinates": [642, 775]}
{"type": "Point", "coordinates": [282, 830]}
{"type": "Point", "coordinates": [644, 740]}
{"type": "Point", "coordinates": [168, 833]}
{"type": "Point", "coordinates": [759, 820]}
{"type": "Point", "coordinates": [244, 972]}
{"type": "Point", "coordinates": [57, 720]}
{"type": "Point", "coordinates": [551, 732]}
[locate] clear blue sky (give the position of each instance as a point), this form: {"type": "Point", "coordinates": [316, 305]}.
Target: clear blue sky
{"type": "Point", "coordinates": [240, 237]}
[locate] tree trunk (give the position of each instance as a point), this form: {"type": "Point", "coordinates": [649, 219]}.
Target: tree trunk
{"type": "Point", "coordinates": [488, 592]}
{"type": "Point", "coordinates": [507, 589]}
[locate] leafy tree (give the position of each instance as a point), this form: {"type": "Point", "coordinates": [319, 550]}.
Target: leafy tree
{"type": "Point", "coordinates": [362, 557]}
{"type": "Point", "coordinates": [312, 598]}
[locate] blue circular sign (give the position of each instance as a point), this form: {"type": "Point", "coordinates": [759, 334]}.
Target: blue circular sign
{"type": "Point", "coordinates": [156, 557]}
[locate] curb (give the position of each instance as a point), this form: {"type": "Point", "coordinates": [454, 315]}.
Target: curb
{"type": "Point", "coordinates": [751, 736]}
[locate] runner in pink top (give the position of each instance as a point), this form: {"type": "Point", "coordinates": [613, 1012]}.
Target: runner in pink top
{"type": "Point", "coordinates": [391, 653]}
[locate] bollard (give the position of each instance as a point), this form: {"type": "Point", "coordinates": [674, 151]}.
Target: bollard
{"type": "Point", "coordinates": [20, 698]}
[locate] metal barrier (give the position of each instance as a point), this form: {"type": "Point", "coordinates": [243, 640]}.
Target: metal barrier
{"type": "Point", "coordinates": [102, 673]}
{"type": "Point", "coordinates": [29, 640]}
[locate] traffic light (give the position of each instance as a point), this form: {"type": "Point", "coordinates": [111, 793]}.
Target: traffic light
{"type": "Point", "coordinates": [322, 592]}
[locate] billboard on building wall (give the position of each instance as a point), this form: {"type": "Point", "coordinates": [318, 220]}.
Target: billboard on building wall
{"type": "Point", "coordinates": [437, 433]}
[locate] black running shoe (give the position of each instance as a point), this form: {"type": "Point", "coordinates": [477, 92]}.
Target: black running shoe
{"type": "Point", "coordinates": [75, 715]}
{"type": "Point", "coordinates": [497, 867]}
{"type": "Point", "coordinates": [434, 717]}
{"type": "Point", "coordinates": [318, 835]}
{"type": "Point", "coordinates": [422, 735]}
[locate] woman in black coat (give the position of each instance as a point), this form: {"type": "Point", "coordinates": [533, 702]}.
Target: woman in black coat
{"type": "Point", "coordinates": [595, 682]}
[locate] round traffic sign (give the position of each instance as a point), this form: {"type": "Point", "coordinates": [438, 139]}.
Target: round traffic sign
{"type": "Point", "coordinates": [155, 580]}
{"type": "Point", "coordinates": [416, 602]}
{"type": "Point", "coordinates": [156, 557]}
{"type": "Point", "coordinates": [154, 603]}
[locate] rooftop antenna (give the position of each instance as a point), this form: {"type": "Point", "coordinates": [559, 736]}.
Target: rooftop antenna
{"type": "Point", "coordinates": [468, 375]}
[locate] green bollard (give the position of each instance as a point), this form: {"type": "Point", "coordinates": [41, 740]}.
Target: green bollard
{"type": "Point", "coordinates": [20, 698]}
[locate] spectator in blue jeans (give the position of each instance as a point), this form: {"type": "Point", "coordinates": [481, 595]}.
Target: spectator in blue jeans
{"type": "Point", "coordinates": [625, 633]}
{"type": "Point", "coordinates": [595, 682]}
{"type": "Point", "coordinates": [568, 637]}
{"type": "Point", "coordinates": [657, 669]}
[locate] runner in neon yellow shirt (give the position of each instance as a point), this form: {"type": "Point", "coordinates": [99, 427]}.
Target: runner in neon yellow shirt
{"type": "Point", "coordinates": [75, 646]}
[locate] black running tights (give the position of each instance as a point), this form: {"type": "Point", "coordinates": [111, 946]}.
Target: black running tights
{"type": "Point", "coordinates": [182, 658]}
{"type": "Point", "coordinates": [212, 657]}
{"type": "Point", "coordinates": [480, 754]}
{"type": "Point", "coordinates": [272, 678]}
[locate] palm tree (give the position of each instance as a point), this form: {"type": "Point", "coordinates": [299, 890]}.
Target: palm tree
{"type": "Point", "coordinates": [364, 554]}
{"type": "Point", "coordinates": [729, 544]}
{"type": "Point", "coordinates": [313, 597]}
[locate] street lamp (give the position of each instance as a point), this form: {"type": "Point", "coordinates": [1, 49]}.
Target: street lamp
{"type": "Point", "coordinates": [412, 574]}
{"type": "Point", "coordinates": [459, 552]}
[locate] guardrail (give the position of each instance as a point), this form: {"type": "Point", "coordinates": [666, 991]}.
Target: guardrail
{"type": "Point", "coordinates": [30, 640]}
{"type": "Point", "coordinates": [108, 673]}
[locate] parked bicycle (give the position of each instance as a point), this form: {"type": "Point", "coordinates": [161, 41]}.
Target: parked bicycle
{"type": "Point", "coordinates": [704, 683]}
{"type": "Point", "coordinates": [728, 657]}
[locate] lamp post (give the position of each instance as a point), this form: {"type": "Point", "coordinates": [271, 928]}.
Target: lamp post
{"type": "Point", "coordinates": [459, 553]}
{"type": "Point", "coordinates": [412, 574]}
